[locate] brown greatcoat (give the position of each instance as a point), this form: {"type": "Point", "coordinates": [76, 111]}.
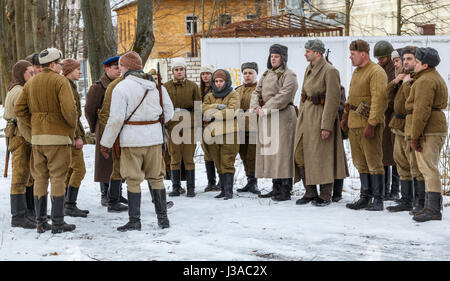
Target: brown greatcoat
{"type": "Point", "coordinates": [388, 146]}
{"type": "Point", "coordinates": [94, 103]}
{"type": "Point", "coordinates": [324, 159]}
{"type": "Point", "coordinates": [275, 153]}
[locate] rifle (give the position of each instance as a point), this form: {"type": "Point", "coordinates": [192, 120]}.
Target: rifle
{"type": "Point", "coordinates": [161, 118]}
{"type": "Point", "coordinates": [5, 173]}
{"type": "Point", "coordinates": [327, 55]}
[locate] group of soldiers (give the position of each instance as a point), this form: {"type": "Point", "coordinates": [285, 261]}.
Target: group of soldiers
{"type": "Point", "coordinates": [146, 130]}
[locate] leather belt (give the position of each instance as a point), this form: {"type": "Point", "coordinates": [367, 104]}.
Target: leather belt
{"type": "Point", "coordinates": [141, 123]}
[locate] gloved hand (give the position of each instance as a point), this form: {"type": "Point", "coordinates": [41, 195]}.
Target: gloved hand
{"type": "Point", "coordinates": [369, 131]}
{"type": "Point", "coordinates": [344, 122]}
{"type": "Point", "coordinates": [415, 145]}
{"type": "Point", "coordinates": [221, 106]}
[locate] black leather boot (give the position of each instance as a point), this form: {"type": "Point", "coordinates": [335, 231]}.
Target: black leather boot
{"type": "Point", "coordinates": [70, 204]}
{"type": "Point", "coordinates": [176, 183]}
{"type": "Point", "coordinates": [104, 186]}
{"type": "Point", "coordinates": [432, 209]}
{"type": "Point", "coordinates": [134, 213]}
{"type": "Point", "coordinates": [310, 195]}
{"type": "Point", "coordinates": [228, 185]}
{"type": "Point", "coordinates": [58, 224]}
{"type": "Point", "coordinates": [222, 186]}
{"type": "Point", "coordinates": [30, 203]}
{"type": "Point", "coordinates": [377, 186]}
{"type": "Point", "coordinates": [170, 204]}
{"type": "Point", "coordinates": [114, 205]}
{"type": "Point", "coordinates": [337, 190]}
{"type": "Point", "coordinates": [276, 184]}
{"type": "Point", "coordinates": [252, 184]}
{"type": "Point", "coordinates": [405, 203]}
{"type": "Point", "coordinates": [122, 199]}
{"type": "Point", "coordinates": [285, 190]}
{"type": "Point", "coordinates": [190, 183]}
{"type": "Point", "coordinates": [19, 212]}
{"type": "Point", "coordinates": [161, 208]}
{"type": "Point", "coordinates": [211, 174]}
{"type": "Point", "coordinates": [365, 194]}
{"type": "Point", "coordinates": [395, 186]}
{"type": "Point", "coordinates": [325, 195]}
{"type": "Point", "coordinates": [387, 181]}
{"type": "Point", "coordinates": [419, 189]}
{"type": "Point", "coordinates": [40, 207]}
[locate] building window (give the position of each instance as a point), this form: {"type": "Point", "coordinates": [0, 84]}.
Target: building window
{"type": "Point", "coordinates": [120, 33]}
{"type": "Point", "coordinates": [191, 25]}
{"type": "Point", "coordinates": [252, 16]}
{"type": "Point", "coordinates": [224, 19]}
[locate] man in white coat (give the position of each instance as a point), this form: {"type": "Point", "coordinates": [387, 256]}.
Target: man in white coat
{"type": "Point", "coordinates": [137, 114]}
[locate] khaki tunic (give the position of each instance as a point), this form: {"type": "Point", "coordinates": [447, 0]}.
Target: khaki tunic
{"type": "Point", "coordinates": [427, 123]}
{"type": "Point", "coordinates": [324, 159]}
{"type": "Point", "coordinates": [247, 134]}
{"type": "Point", "coordinates": [221, 134]}
{"type": "Point", "coordinates": [94, 103]}
{"type": "Point", "coordinates": [47, 105]}
{"type": "Point", "coordinates": [207, 157]}
{"type": "Point", "coordinates": [77, 169]}
{"type": "Point", "coordinates": [183, 95]}
{"type": "Point", "coordinates": [18, 146]}
{"type": "Point", "coordinates": [368, 85]}
{"type": "Point", "coordinates": [275, 146]}
{"type": "Point", "coordinates": [388, 146]}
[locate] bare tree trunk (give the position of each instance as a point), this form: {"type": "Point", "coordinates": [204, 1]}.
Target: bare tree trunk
{"type": "Point", "coordinates": [4, 77]}
{"type": "Point", "coordinates": [19, 7]}
{"type": "Point", "coordinates": [99, 33]}
{"type": "Point", "coordinates": [61, 29]}
{"type": "Point", "coordinates": [348, 9]}
{"type": "Point", "coordinates": [29, 40]}
{"type": "Point", "coordinates": [145, 38]}
{"type": "Point", "coordinates": [41, 31]}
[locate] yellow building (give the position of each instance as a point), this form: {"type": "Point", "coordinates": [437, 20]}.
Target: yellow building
{"type": "Point", "coordinates": [175, 21]}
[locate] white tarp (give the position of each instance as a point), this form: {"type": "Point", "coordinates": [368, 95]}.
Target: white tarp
{"type": "Point", "coordinates": [230, 53]}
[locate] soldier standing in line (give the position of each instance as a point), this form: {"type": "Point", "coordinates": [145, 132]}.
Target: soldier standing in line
{"type": "Point", "coordinates": [247, 149]}
{"type": "Point", "coordinates": [399, 90]}
{"type": "Point", "coordinates": [319, 154]}
{"type": "Point", "coordinates": [71, 70]}
{"type": "Point", "coordinates": [382, 51]}
{"type": "Point", "coordinates": [426, 127]}
{"type": "Point", "coordinates": [94, 103]}
{"type": "Point", "coordinates": [19, 138]}
{"type": "Point", "coordinates": [183, 94]}
{"type": "Point", "coordinates": [219, 110]}
{"type": "Point", "coordinates": [364, 120]}
{"type": "Point", "coordinates": [47, 106]}
{"type": "Point", "coordinates": [274, 96]}
{"type": "Point", "coordinates": [206, 72]}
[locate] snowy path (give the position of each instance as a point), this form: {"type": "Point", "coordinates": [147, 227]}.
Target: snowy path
{"type": "Point", "coordinates": [245, 228]}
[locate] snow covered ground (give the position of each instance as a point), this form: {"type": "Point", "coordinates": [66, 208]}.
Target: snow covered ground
{"type": "Point", "coordinates": [245, 228]}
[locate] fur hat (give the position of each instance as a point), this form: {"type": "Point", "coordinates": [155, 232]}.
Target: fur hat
{"type": "Point", "coordinates": [282, 51]}
{"type": "Point", "coordinates": [409, 50]}
{"type": "Point", "coordinates": [315, 45]}
{"type": "Point", "coordinates": [395, 54]}
{"type": "Point", "coordinates": [250, 65]}
{"type": "Point", "coordinates": [360, 46]}
{"type": "Point", "coordinates": [428, 56]}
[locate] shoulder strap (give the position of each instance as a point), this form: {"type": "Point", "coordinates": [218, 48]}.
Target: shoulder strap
{"type": "Point", "coordinates": [134, 111]}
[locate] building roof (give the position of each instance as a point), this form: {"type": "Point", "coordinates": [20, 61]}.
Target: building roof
{"type": "Point", "coordinates": [281, 25]}
{"type": "Point", "coordinates": [125, 5]}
